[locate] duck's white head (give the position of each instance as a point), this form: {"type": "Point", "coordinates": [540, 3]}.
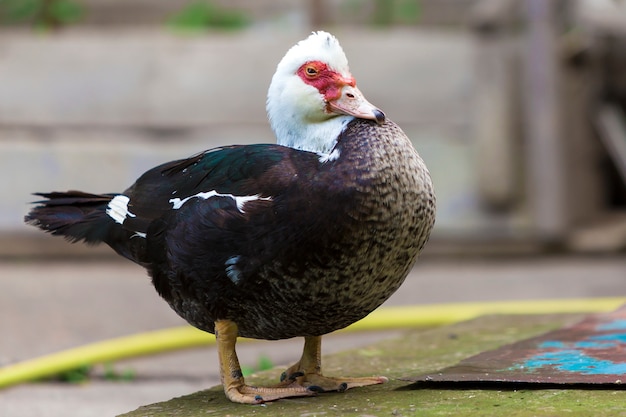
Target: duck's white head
{"type": "Point", "coordinates": [313, 96]}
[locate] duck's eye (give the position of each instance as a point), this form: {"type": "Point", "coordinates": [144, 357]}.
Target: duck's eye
{"type": "Point", "coordinates": [311, 72]}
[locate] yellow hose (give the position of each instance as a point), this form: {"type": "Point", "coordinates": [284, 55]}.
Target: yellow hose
{"type": "Point", "coordinates": [382, 319]}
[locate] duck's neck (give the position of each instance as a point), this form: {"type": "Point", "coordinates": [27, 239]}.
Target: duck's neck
{"type": "Point", "coordinates": [296, 131]}
{"type": "Point", "coordinates": [313, 137]}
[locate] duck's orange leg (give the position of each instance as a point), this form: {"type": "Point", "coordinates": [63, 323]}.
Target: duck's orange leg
{"type": "Point", "coordinates": [235, 387]}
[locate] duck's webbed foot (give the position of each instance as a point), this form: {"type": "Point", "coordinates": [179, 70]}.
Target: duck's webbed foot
{"type": "Point", "coordinates": [307, 372]}
{"type": "Point", "coordinates": [247, 394]}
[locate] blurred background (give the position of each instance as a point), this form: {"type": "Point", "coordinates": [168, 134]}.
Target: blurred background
{"type": "Point", "coordinates": [517, 106]}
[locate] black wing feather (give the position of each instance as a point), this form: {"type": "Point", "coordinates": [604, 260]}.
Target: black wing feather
{"type": "Point", "coordinates": [237, 170]}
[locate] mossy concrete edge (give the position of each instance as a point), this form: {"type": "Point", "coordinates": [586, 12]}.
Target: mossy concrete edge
{"type": "Point", "coordinates": [418, 351]}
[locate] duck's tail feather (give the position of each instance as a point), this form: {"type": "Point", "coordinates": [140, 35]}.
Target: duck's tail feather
{"type": "Point", "coordinates": [76, 215]}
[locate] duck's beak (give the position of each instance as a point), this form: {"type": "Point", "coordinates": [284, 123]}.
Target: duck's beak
{"type": "Point", "coordinates": [353, 103]}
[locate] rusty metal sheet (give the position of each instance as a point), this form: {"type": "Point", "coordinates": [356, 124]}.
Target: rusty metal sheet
{"type": "Point", "coordinates": [592, 353]}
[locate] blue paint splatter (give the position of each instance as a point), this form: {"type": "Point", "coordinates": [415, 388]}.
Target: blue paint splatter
{"type": "Point", "coordinates": [594, 345]}
{"type": "Point", "coordinates": [574, 357]}
{"type": "Point", "coordinates": [617, 337]}
{"type": "Point", "coordinates": [553, 344]}
{"type": "Point", "coordinates": [572, 360]}
{"type": "Point", "coordinates": [614, 325]}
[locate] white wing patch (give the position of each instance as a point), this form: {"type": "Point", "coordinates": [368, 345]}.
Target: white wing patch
{"type": "Point", "coordinates": [118, 209]}
{"type": "Point", "coordinates": [239, 200]}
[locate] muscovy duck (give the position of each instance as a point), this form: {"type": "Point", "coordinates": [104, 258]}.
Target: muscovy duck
{"type": "Point", "coordinates": [270, 241]}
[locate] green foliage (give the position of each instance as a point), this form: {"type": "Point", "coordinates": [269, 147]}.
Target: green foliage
{"type": "Point", "coordinates": [19, 11]}
{"type": "Point", "coordinates": [383, 13]}
{"type": "Point", "coordinates": [65, 11]}
{"type": "Point", "coordinates": [200, 15]}
{"type": "Point", "coordinates": [74, 376]}
{"type": "Point", "coordinates": [84, 373]}
{"type": "Point", "coordinates": [44, 14]}
{"type": "Point", "coordinates": [264, 363]}
{"type": "Point", "coordinates": [407, 11]}
{"type": "Point", "coordinates": [389, 12]}
{"type": "Point", "coordinates": [111, 374]}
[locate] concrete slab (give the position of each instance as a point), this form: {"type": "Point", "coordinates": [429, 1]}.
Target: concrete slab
{"type": "Point", "coordinates": [416, 350]}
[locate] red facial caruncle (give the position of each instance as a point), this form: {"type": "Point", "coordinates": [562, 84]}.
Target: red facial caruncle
{"type": "Point", "coordinates": [328, 82]}
{"type": "Point", "coordinates": [340, 93]}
